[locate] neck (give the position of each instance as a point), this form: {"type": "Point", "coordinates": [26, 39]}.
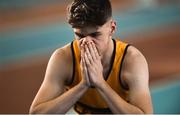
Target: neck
{"type": "Point", "coordinates": [108, 54]}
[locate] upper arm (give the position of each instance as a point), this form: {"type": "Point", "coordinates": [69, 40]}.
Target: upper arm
{"type": "Point", "coordinates": [136, 76]}
{"type": "Point", "coordinates": [55, 79]}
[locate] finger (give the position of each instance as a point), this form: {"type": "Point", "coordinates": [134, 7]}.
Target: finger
{"type": "Point", "coordinates": [86, 59]}
{"type": "Point", "coordinates": [95, 50]}
{"type": "Point", "coordinates": [80, 42]}
{"type": "Point", "coordinates": [85, 73]}
{"type": "Point", "coordinates": [83, 42]}
{"type": "Point", "coordinates": [87, 52]}
{"type": "Point", "coordinates": [83, 65]}
{"type": "Point", "coordinates": [91, 49]}
{"type": "Point", "coordinates": [82, 52]}
{"type": "Point", "coordinates": [82, 45]}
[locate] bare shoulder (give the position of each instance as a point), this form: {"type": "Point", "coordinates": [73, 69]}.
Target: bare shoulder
{"type": "Point", "coordinates": [135, 65]}
{"type": "Point", "coordinates": [63, 53]}
{"type": "Point", "coordinates": [135, 55]}
{"type": "Point", "coordinates": [61, 62]}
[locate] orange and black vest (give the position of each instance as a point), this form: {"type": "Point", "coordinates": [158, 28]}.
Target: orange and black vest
{"type": "Point", "coordinates": [92, 101]}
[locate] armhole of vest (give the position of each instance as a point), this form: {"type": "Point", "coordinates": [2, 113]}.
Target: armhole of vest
{"type": "Point", "coordinates": [112, 60]}
{"type": "Point", "coordinates": [73, 59]}
{"type": "Point", "coordinates": [120, 80]}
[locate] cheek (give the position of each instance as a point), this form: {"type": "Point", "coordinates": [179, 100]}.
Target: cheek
{"type": "Point", "coordinates": [100, 45]}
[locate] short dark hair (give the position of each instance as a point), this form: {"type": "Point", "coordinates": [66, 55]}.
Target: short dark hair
{"type": "Point", "coordinates": [82, 13]}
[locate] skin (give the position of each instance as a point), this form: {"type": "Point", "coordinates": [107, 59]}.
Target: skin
{"type": "Point", "coordinates": [96, 46]}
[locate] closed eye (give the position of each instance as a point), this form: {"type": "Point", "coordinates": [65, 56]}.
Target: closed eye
{"type": "Point", "coordinates": [96, 34]}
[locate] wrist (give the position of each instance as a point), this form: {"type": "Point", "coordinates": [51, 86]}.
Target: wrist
{"type": "Point", "coordinates": [84, 84]}
{"type": "Point", "coordinates": [100, 84]}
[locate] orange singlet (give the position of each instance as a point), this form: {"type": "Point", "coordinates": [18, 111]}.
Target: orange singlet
{"type": "Point", "coordinates": [92, 101]}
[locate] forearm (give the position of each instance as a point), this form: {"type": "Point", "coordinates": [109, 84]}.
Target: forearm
{"type": "Point", "coordinates": [115, 102]}
{"type": "Point", "coordinates": [62, 103]}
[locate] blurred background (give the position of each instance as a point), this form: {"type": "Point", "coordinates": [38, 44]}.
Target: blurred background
{"type": "Point", "coordinates": [31, 30]}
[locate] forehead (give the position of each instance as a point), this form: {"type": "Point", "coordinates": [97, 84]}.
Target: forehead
{"type": "Point", "coordinates": [90, 29]}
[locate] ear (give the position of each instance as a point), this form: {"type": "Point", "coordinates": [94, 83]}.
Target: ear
{"type": "Point", "coordinates": [113, 27]}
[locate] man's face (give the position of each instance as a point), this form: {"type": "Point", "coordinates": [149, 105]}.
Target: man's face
{"type": "Point", "coordinates": [99, 35]}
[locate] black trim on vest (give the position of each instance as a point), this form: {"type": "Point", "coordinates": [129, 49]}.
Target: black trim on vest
{"type": "Point", "coordinates": [121, 67]}
{"type": "Point", "coordinates": [93, 110]}
{"type": "Point", "coordinates": [112, 60]}
{"type": "Point", "coordinates": [73, 56]}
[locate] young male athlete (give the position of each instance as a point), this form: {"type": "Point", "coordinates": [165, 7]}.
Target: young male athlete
{"type": "Point", "coordinates": [94, 73]}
